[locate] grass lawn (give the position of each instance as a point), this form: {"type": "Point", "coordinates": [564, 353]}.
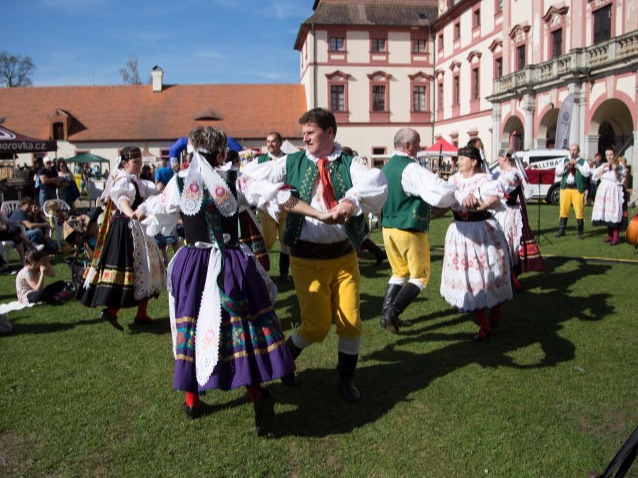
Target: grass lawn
{"type": "Point", "coordinates": [551, 394]}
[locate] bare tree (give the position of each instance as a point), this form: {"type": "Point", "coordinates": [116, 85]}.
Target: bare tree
{"type": "Point", "coordinates": [130, 74]}
{"type": "Point", "coordinates": [15, 70]}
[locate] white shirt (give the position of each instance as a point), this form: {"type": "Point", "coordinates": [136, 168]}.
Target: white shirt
{"type": "Point", "coordinates": [368, 193]}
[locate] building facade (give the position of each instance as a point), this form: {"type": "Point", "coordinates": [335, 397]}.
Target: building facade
{"type": "Point", "coordinates": [458, 69]}
{"type": "Point", "coordinates": [372, 64]}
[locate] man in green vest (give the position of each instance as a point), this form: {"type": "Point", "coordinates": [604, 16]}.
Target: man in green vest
{"type": "Point", "coordinates": [412, 189]}
{"type": "Point", "coordinates": [326, 194]}
{"type": "Point", "coordinates": [273, 227]}
{"type": "Point", "coordinates": [573, 172]}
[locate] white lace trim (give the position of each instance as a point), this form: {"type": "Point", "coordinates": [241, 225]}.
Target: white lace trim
{"type": "Point", "coordinates": [148, 269]}
{"type": "Point", "coordinates": [207, 335]}
{"type": "Point", "coordinates": [171, 301]}
{"type": "Point", "coordinates": [200, 173]}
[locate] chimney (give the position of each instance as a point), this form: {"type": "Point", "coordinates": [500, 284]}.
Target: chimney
{"type": "Point", "coordinates": [158, 78]}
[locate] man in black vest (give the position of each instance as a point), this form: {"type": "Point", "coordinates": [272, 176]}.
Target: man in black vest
{"type": "Point", "coordinates": [412, 189]}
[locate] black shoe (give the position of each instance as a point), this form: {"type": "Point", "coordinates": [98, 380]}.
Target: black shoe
{"type": "Point", "coordinates": [481, 336]}
{"type": "Point", "coordinates": [264, 413]}
{"type": "Point", "coordinates": [390, 322]}
{"type": "Point", "coordinates": [285, 279]}
{"type": "Point", "coordinates": [290, 380]}
{"type": "Point", "coordinates": [104, 315]}
{"type": "Point", "coordinates": [348, 389]}
{"type": "Point", "coordinates": [192, 413]}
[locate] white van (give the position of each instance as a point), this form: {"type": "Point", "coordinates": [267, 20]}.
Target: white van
{"type": "Point", "coordinates": [543, 188]}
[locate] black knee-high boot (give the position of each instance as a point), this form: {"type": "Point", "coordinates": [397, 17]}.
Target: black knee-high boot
{"type": "Point", "coordinates": [580, 223]}
{"type": "Point", "coordinates": [391, 292]}
{"type": "Point", "coordinates": [347, 366]}
{"type": "Point", "coordinates": [290, 380]}
{"type": "Point", "coordinates": [562, 225]}
{"type": "Point", "coordinates": [284, 267]}
{"type": "Point", "coordinates": [390, 318]}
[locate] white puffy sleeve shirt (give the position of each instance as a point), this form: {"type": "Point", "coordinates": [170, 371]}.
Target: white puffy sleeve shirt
{"type": "Point", "coordinates": [124, 187]}
{"type": "Point", "coordinates": [418, 181]}
{"type": "Point", "coordinates": [368, 193]}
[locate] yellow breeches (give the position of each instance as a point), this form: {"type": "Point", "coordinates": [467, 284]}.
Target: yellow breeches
{"type": "Point", "coordinates": [569, 197]}
{"type": "Point", "coordinates": [408, 253]}
{"type": "Point", "coordinates": [273, 229]}
{"type": "Point", "coordinates": [325, 289]}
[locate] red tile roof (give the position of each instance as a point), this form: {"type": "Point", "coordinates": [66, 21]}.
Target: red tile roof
{"type": "Point", "coordinates": [136, 113]}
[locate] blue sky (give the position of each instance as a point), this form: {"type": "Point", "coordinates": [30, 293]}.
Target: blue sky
{"type": "Point", "coordinates": [87, 42]}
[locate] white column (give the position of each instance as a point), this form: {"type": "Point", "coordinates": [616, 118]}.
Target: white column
{"type": "Point", "coordinates": [496, 128]}
{"type": "Point", "coordinates": [528, 106]}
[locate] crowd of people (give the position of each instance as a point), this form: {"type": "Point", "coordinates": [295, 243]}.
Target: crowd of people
{"type": "Point", "coordinates": [221, 299]}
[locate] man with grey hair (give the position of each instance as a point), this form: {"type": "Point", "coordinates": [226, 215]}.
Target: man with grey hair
{"type": "Point", "coordinates": [412, 190]}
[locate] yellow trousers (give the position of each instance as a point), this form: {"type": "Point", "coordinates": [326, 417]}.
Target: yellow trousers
{"type": "Point", "coordinates": [408, 253]}
{"type": "Point", "coordinates": [273, 229]}
{"type": "Point", "coordinates": [328, 289]}
{"type": "Point", "coordinates": [569, 197]}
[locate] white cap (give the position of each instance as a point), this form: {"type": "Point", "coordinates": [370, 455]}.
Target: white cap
{"type": "Point", "coordinates": [46, 159]}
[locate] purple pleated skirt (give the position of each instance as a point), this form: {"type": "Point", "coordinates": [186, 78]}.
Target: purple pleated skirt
{"type": "Point", "coordinates": [252, 346]}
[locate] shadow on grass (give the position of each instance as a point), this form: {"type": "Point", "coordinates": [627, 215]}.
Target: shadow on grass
{"type": "Point", "coordinates": [160, 326]}
{"type": "Point", "coordinates": [49, 327]}
{"type": "Point", "coordinates": [398, 370]}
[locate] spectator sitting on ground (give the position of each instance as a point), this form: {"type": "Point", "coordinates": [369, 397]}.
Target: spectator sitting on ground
{"type": "Point", "coordinates": [30, 287]}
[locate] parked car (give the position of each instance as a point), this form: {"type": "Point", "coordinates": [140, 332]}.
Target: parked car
{"type": "Point", "coordinates": [540, 166]}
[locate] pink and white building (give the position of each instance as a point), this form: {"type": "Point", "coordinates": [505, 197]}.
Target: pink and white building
{"type": "Point", "coordinates": [496, 69]}
{"type": "Point", "coordinates": [372, 64]}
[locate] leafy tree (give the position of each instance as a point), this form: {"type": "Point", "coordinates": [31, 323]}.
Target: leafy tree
{"type": "Point", "coordinates": [15, 70]}
{"type": "Point", "coordinates": [130, 74]}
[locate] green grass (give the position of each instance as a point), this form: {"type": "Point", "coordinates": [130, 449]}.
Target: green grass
{"type": "Point", "coordinates": [551, 394]}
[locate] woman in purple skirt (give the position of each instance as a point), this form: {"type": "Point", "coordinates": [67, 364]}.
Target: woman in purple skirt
{"type": "Point", "coordinates": [221, 300]}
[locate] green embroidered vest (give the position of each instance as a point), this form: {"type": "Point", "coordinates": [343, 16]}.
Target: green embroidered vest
{"type": "Point", "coordinates": [262, 158]}
{"type": "Point", "coordinates": [581, 184]}
{"type": "Point", "coordinates": [401, 211]}
{"type": "Point", "coordinates": [301, 174]}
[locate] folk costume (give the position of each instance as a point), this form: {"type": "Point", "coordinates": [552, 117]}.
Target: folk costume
{"type": "Point", "coordinates": [610, 204]}
{"type": "Point", "coordinates": [412, 189]}
{"type": "Point", "coordinates": [127, 266]}
{"type": "Point", "coordinates": [476, 260]}
{"type": "Point", "coordinates": [323, 256]}
{"type": "Point", "coordinates": [273, 224]}
{"type": "Point", "coordinates": [573, 185]}
{"type": "Point", "coordinates": [221, 301]}
{"type": "Point", "coordinates": [512, 217]}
